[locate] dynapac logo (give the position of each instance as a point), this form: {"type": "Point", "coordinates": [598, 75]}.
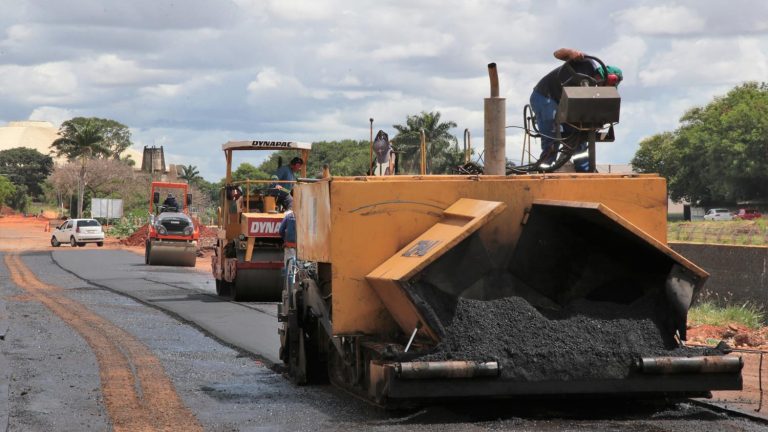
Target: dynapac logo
{"type": "Point", "coordinates": [264, 228]}
{"type": "Point", "coordinates": [286, 144]}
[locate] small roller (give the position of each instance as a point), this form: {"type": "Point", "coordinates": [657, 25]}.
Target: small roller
{"type": "Point", "coordinates": [171, 253]}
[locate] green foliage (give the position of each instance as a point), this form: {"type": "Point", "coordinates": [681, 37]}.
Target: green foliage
{"type": "Point", "coordinates": [92, 137]}
{"type": "Point", "coordinates": [345, 158]}
{"type": "Point", "coordinates": [718, 154]}
{"type": "Point", "coordinates": [443, 153]}
{"type": "Point", "coordinates": [189, 173]}
{"type": "Point", "coordinates": [123, 228]}
{"type": "Point", "coordinates": [25, 166]}
{"type": "Point", "coordinates": [711, 313]}
{"type": "Point", "coordinates": [19, 200]}
{"type": "Point", "coordinates": [7, 190]}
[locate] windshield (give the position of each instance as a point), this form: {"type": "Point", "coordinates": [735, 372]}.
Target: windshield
{"type": "Point", "coordinates": [88, 223]}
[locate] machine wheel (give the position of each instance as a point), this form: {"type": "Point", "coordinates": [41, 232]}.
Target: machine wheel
{"type": "Point", "coordinates": [54, 242]}
{"type": "Point", "coordinates": [223, 288]}
{"type": "Point", "coordinates": [72, 242]}
{"type": "Point", "coordinates": [99, 244]}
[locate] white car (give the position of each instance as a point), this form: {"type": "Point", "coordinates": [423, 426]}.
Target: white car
{"type": "Point", "coordinates": [718, 214]}
{"type": "Point", "coordinates": [78, 232]}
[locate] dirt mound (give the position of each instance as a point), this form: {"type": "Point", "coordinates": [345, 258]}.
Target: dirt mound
{"type": "Point", "coordinates": [138, 237]}
{"type": "Point", "coordinates": [733, 334]}
{"type": "Point", "coordinates": [585, 340]}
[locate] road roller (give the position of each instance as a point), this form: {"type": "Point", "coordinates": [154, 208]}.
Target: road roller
{"type": "Point", "coordinates": [248, 260]}
{"type": "Point", "coordinates": [171, 235]}
{"type": "Point", "coordinates": [517, 283]}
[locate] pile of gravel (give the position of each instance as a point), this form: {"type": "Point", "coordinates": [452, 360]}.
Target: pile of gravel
{"type": "Point", "coordinates": [585, 340]}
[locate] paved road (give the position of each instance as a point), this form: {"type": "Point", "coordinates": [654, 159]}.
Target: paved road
{"type": "Point", "coordinates": [191, 295]}
{"type": "Point", "coordinates": [57, 372]}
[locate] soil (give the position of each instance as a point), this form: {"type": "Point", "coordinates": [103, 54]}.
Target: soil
{"type": "Point", "coordinates": [585, 340]}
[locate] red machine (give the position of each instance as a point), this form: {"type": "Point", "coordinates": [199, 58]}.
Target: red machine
{"type": "Point", "coordinates": [172, 236]}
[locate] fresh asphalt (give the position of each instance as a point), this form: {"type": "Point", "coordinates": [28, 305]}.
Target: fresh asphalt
{"type": "Point", "coordinates": [188, 294]}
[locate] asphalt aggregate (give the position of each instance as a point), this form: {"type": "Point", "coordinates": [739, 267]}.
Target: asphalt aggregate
{"type": "Point", "coordinates": [49, 377]}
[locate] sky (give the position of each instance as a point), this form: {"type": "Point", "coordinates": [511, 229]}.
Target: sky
{"type": "Point", "coordinates": [191, 75]}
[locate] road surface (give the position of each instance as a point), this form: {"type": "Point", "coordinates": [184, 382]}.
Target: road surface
{"type": "Point", "coordinates": [95, 340]}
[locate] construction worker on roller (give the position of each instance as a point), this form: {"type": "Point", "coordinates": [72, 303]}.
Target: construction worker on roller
{"type": "Point", "coordinates": [282, 191]}
{"type": "Point", "coordinates": [545, 99]}
{"type": "Point", "coordinates": [170, 203]}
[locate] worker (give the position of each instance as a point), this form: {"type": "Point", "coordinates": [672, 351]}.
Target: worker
{"type": "Point", "coordinates": [384, 163]}
{"type": "Point", "coordinates": [545, 99]}
{"type": "Point", "coordinates": [288, 234]}
{"type": "Point", "coordinates": [170, 203]}
{"type": "Point", "coordinates": [282, 191]}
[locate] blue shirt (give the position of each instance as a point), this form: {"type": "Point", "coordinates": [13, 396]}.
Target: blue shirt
{"type": "Point", "coordinates": [288, 228]}
{"type": "Point", "coordinates": [285, 173]}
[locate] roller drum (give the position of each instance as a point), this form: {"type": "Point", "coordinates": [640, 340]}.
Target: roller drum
{"type": "Point", "coordinates": [166, 253]}
{"type": "Point", "coordinates": [262, 285]}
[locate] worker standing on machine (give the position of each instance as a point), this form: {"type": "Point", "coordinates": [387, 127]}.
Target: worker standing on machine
{"type": "Point", "coordinates": [283, 190]}
{"type": "Point", "coordinates": [288, 234]}
{"type": "Point", "coordinates": [545, 99]}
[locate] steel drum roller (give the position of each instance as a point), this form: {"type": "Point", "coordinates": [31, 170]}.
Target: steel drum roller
{"type": "Point", "coordinates": [168, 253]}
{"type": "Point", "coordinates": [264, 285]}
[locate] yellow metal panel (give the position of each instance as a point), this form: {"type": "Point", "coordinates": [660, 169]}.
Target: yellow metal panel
{"type": "Point", "coordinates": [371, 218]}
{"type": "Point", "coordinates": [313, 221]}
{"type": "Point", "coordinates": [460, 220]}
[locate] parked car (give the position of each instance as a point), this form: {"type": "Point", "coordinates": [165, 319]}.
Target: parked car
{"type": "Point", "coordinates": [78, 232]}
{"type": "Point", "coordinates": [748, 214]}
{"type": "Point", "coordinates": [718, 214]}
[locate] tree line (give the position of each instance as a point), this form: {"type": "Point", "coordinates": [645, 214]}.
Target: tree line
{"type": "Point", "coordinates": [718, 154]}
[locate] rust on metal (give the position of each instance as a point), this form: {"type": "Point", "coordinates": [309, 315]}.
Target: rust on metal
{"type": "Point", "coordinates": [684, 365]}
{"type": "Point", "coordinates": [446, 369]}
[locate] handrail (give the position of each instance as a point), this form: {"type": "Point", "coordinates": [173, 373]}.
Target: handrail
{"type": "Point", "coordinates": [423, 169]}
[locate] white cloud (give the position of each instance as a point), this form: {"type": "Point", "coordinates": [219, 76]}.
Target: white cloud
{"type": "Point", "coordinates": [39, 84]}
{"type": "Point", "coordinates": [660, 20]}
{"type": "Point", "coordinates": [53, 114]}
{"type": "Point", "coordinates": [707, 61]}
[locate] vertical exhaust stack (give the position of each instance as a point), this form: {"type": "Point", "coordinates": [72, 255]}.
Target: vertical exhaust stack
{"type": "Point", "coordinates": [495, 136]}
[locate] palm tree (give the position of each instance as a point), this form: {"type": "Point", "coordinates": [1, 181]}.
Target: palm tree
{"type": "Point", "coordinates": [80, 141]}
{"type": "Point", "coordinates": [189, 173]}
{"type": "Point", "coordinates": [440, 155]}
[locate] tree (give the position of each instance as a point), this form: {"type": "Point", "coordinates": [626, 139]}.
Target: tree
{"type": "Point", "coordinates": [25, 166]}
{"type": "Point", "coordinates": [719, 154]}
{"type": "Point", "coordinates": [7, 190]}
{"type": "Point", "coordinates": [442, 146]}
{"type": "Point", "coordinates": [81, 141]}
{"type": "Point", "coordinates": [189, 173]}
{"type": "Point", "coordinates": [345, 158]}
{"type": "Point", "coordinates": [116, 137]}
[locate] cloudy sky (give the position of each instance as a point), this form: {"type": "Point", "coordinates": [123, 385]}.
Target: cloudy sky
{"type": "Point", "coordinates": [193, 74]}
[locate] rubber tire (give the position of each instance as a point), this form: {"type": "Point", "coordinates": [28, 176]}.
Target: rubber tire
{"type": "Point", "coordinates": [223, 288]}
{"type": "Point", "coordinates": [54, 242]}
{"type": "Point", "coordinates": [72, 242]}
{"type": "Point", "coordinates": [100, 244]}
{"type": "Point", "coordinates": [81, 244]}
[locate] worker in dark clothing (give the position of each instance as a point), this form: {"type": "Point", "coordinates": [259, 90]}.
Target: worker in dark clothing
{"type": "Point", "coordinates": [170, 203]}
{"type": "Point", "coordinates": [288, 234]}
{"type": "Point", "coordinates": [283, 190]}
{"type": "Point", "coordinates": [546, 98]}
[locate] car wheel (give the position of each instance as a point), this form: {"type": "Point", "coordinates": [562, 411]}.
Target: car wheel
{"type": "Point", "coordinates": [99, 244]}
{"type": "Point", "coordinates": [54, 242]}
{"type": "Point", "coordinates": [81, 244]}
{"type": "Point", "coordinates": [72, 242]}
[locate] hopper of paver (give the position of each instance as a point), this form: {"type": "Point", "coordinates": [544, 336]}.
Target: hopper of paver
{"type": "Point", "coordinates": [581, 302]}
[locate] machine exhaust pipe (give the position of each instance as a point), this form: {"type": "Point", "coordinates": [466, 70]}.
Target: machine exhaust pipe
{"type": "Point", "coordinates": [494, 141]}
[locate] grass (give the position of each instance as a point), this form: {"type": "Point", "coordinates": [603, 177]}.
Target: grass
{"type": "Point", "coordinates": [753, 233]}
{"type": "Point", "coordinates": [709, 312]}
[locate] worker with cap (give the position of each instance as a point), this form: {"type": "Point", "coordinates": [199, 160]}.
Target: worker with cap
{"type": "Point", "coordinates": [170, 203]}
{"type": "Point", "coordinates": [545, 99]}
{"type": "Point", "coordinates": [286, 173]}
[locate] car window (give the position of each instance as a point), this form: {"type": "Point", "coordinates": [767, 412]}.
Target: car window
{"type": "Point", "coordinates": [61, 227]}
{"type": "Point", "coordinates": [88, 223]}
{"type": "Point", "coordinates": [69, 225]}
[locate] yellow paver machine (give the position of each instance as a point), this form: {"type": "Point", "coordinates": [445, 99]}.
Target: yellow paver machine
{"type": "Point", "coordinates": [413, 288]}
{"type": "Point", "coordinates": [248, 261]}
